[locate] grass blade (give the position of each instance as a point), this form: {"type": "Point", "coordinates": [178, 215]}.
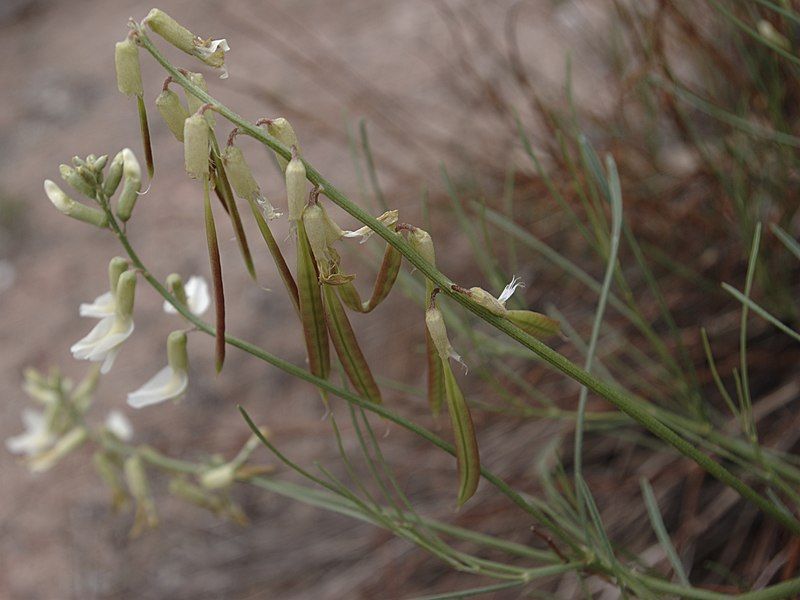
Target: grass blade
{"type": "Point", "coordinates": [661, 531]}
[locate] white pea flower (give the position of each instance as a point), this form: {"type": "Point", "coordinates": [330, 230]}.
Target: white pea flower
{"type": "Point", "coordinates": [170, 382]}
{"type": "Point", "coordinates": [102, 344]}
{"type": "Point", "coordinates": [196, 293]}
{"type": "Point", "coordinates": [509, 290]}
{"type": "Point", "coordinates": [118, 424]}
{"type": "Point", "coordinates": [104, 304]}
{"type": "Point", "coordinates": [36, 438]}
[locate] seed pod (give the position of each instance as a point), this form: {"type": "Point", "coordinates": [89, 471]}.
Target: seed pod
{"type": "Point", "coordinates": [173, 112]}
{"type": "Point", "coordinates": [77, 182]}
{"type": "Point", "coordinates": [533, 323]}
{"type": "Point", "coordinates": [129, 74]}
{"type": "Point", "coordinates": [283, 131]}
{"type": "Point", "coordinates": [175, 286]}
{"type": "Point", "coordinates": [387, 275]}
{"type": "Point", "coordinates": [172, 31]}
{"type": "Point", "coordinates": [73, 209]}
{"type": "Point", "coordinates": [438, 332]}
{"type": "Point", "coordinates": [347, 348]}
{"type": "Point", "coordinates": [131, 186]}
{"type": "Point", "coordinates": [195, 144]}
{"type": "Point", "coordinates": [316, 230]}
{"type": "Point", "coordinates": [194, 103]}
{"type": "Point", "coordinates": [222, 188]}
{"type": "Point", "coordinates": [114, 175]}
{"type": "Point", "coordinates": [467, 456]}
{"type": "Point", "coordinates": [216, 277]}
{"type": "Point", "coordinates": [296, 187]}
{"type": "Point", "coordinates": [312, 312]}
{"type": "Point", "coordinates": [436, 388]}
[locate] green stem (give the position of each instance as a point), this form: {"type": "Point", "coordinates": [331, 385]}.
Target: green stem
{"type": "Point", "coordinates": [620, 399]}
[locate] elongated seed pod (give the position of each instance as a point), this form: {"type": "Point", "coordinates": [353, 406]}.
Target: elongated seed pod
{"type": "Point", "coordinates": [436, 387]}
{"type": "Point", "coordinates": [387, 275]}
{"type": "Point", "coordinates": [312, 312]}
{"type": "Point", "coordinates": [216, 277]}
{"type": "Point", "coordinates": [533, 323]}
{"type": "Point", "coordinates": [438, 332]}
{"type": "Point", "coordinates": [347, 348]}
{"type": "Point", "coordinates": [296, 188]}
{"type": "Point", "coordinates": [173, 112]}
{"type": "Point", "coordinates": [114, 175]}
{"type": "Point", "coordinates": [316, 231]}
{"type": "Point", "coordinates": [195, 146]}
{"type": "Point", "coordinates": [129, 74]}
{"type": "Point", "coordinates": [467, 455]}
{"type": "Point", "coordinates": [172, 31]}
{"type": "Point", "coordinates": [75, 210]}
{"type": "Point", "coordinates": [223, 189]}
{"type": "Point", "coordinates": [283, 131]}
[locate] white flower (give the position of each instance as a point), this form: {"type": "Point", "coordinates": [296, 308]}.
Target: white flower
{"type": "Point", "coordinates": [170, 382]}
{"type": "Point", "coordinates": [197, 297]}
{"type": "Point", "coordinates": [118, 424]}
{"type": "Point", "coordinates": [509, 290]}
{"type": "Point", "coordinates": [103, 341]}
{"type": "Point", "coordinates": [101, 307]}
{"type": "Point", "coordinates": [212, 52]}
{"type": "Point", "coordinates": [389, 218]}
{"type": "Point", "coordinates": [37, 436]}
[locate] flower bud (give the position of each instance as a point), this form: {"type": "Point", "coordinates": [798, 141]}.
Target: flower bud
{"type": "Point", "coordinates": [99, 163]}
{"type": "Point", "coordinates": [73, 209]}
{"type": "Point", "coordinates": [218, 477]}
{"type": "Point", "coordinates": [64, 446]}
{"type": "Point", "coordinates": [132, 173]}
{"type": "Point", "coordinates": [169, 29]}
{"type": "Point", "coordinates": [129, 74]}
{"type": "Point", "coordinates": [296, 187]}
{"type": "Point", "coordinates": [282, 131]}
{"type": "Point", "coordinates": [78, 183]}
{"type": "Point", "coordinates": [114, 175]}
{"type": "Point", "coordinates": [116, 267]}
{"type": "Point", "coordinates": [175, 286]}
{"type": "Point", "coordinates": [126, 292]}
{"type": "Point", "coordinates": [195, 143]}
{"type": "Point", "coordinates": [177, 357]}
{"type": "Point", "coordinates": [173, 112]}
{"type": "Point", "coordinates": [421, 241]}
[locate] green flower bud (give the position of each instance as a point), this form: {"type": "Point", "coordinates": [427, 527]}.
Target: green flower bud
{"type": "Point", "coordinates": [116, 267]}
{"type": "Point", "coordinates": [195, 146]}
{"type": "Point", "coordinates": [169, 29]}
{"type": "Point", "coordinates": [100, 163]}
{"type": "Point", "coordinates": [175, 285]}
{"type": "Point", "coordinates": [129, 74]}
{"type": "Point", "coordinates": [282, 130]}
{"type": "Point", "coordinates": [177, 357]}
{"type": "Point", "coordinates": [73, 209]}
{"type": "Point", "coordinates": [173, 112]}
{"type": "Point", "coordinates": [126, 293]}
{"type": "Point", "coordinates": [132, 173]}
{"type": "Point", "coordinates": [296, 187]}
{"type": "Point", "coordinates": [77, 182]}
{"type": "Point", "coordinates": [114, 175]}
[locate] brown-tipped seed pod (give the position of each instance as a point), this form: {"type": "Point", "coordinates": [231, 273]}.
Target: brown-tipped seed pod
{"type": "Point", "coordinates": [173, 112]}
{"type": "Point", "coordinates": [129, 74]}
{"type": "Point", "coordinates": [296, 187]}
{"type": "Point", "coordinates": [195, 146]}
{"type": "Point", "coordinates": [172, 31]}
{"type": "Point", "coordinates": [114, 175]}
{"type": "Point", "coordinates": [283, 131]}
{"type": "Point", "coordinates": [73, 209]}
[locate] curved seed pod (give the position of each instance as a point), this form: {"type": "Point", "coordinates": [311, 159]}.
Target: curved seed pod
{"type": "Point", "coordinates": [129, 74]}
{"type": "Point", "coordinates": [312, 312]}
{"type": "Point", "coordinates": [296, 187]}
{"type": "Point", "coordinates": [347, 348]}
{"type": "Point", "coordinates": [114, 175]}
{"type": "Point", "coordinates": [169, 29]}
{"type": "Point", "coordinates": [73, 209]}
{"type": "Point", "coordinates": [467, 456]}
{"type": "Point", "coordinates": [173, 112]}
{"type": "Point", "coordinates": [282, 131]}
{"type": "Point", "coordinates": [145, 129]}
{"type": "Point", "coordinates": [387, 275]}
{"type": "Point", "coordinates": [195, 146]}
{"type": "Point", "coordinates": [534, 323]}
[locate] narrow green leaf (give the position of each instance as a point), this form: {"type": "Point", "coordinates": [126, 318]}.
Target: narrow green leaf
{"type": "Point", "coordinates": [661, 531]}
{"type": "Point", "coordinates": [791, 244]}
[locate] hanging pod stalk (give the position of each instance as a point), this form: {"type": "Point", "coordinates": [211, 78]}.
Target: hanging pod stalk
{"type": "Point", "coordinates": [312, 312]}
{"type": "Point", "coordinates": [216, 277]}
{"type": "Point", "coordinates": [347, 348]}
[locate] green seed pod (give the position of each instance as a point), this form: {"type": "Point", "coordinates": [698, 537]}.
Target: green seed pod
{"type": "Point", "coordinates": [283, 131]}
{"type": "Point", "coordinates": [467, 456]}
{"type": "Point", "coordinates": [173, 112]}
{"type": "Point", "coordinates": [129, 74]}
{"type": "Point", "coordinates": [195, 146]}
{"type": "Point", "coordinates": [114, 175]}
{"type": "Point", "coordinates": [239, 174]}
{"type": "Point", "coordinates": [172, 31]}
{"type": "Point", "coordinates": [296, 188]}
{"type": "Point", "coordinates": [132, 175]}
{"type": "Point", "coordinates": [314, 223]}
{"type": "Point", "coordinates": [77, 182]}
{"type": "Point", "coordinates": [126, 293]}
{"type": "Point", "coordinates": [487, 301]}
{"type": "Point", "coordinates": [175, 285]}
{"type": "Point", "coordinates": [73, 209]}
{"type": "Point", "coordinates": [194, 103]}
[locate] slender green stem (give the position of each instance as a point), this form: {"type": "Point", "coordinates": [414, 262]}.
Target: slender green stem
{"type": "Point", "coordinates": [619, 398]}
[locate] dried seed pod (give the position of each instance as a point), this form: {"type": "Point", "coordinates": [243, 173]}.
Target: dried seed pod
{"type": "Point", "coordinates": [347, 348]}
{"type": "Point", "coordinates": [467, 455]}
{"type": "Point", "coordinates": [216, 277]}
{"type": "Point", "coordinates": [114, 175]}
{"type": "Point", "coordinates": [129, 74]}
{"type": "Point", "coordinates": [282, 131]}
{"type": "Point", "coordinates": [173, 112]}
{"type": "Point", "coordinates": [296, 187]}
{"type": "Point", "coordinates": [73, 209]}
{"type": "Point", "coordinates": [169, 29]}
{"type": "Point", "coordinates": [195, 144]}
{"type": "Point", "coordinates": [533, 323]}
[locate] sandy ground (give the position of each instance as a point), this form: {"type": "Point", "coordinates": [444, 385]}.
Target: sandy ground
{"type": "Point", "coordinates": [321, 63]}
